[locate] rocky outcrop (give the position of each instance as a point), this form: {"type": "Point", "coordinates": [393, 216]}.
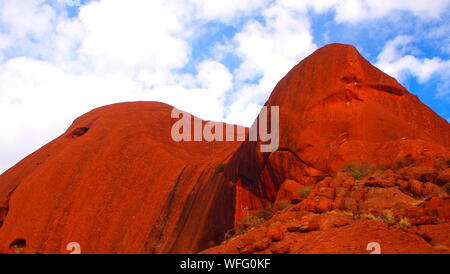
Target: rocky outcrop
{"type": "Point", "coordinates": [337, 109]}
{"type": "Point", "coordinates": [344, 215]}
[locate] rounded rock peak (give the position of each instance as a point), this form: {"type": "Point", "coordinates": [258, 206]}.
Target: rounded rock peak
{"type": "Point", "coordinates": [338, 47]}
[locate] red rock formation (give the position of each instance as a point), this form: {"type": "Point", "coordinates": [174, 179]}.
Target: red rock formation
{"type": "Point", "coordinates": [116, 182]}
{"type": "Point", "coordinates": [359, 155]}
{"type": "Point", "coordinates": [344, 215]}
{"type": "Point", "coordinates": [336, 108]}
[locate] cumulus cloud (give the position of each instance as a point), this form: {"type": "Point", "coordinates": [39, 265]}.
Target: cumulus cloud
{"type": "Point", "coordinates": [25, 26]}
{"type": "Point", "coordinates": [202, 94]}
{"type": "Point", "coordinates": [358, 10]}
{"type": "Point", "coordinates": [268, 50]}
{"type": "Point", "coordinates": [38, 14]}
{"type": "Point", "coordinates": [226, 10]}
{"type": "Point", "coordinates": [133, 35]}
{"type": "Point", "coordinates": [395, 61]}
{"type": "Point", "coordinates": [38, 101]}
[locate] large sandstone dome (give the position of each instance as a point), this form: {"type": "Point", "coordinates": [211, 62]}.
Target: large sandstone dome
{"type": "Point", "coordinates": [116, 182]}
{"type": "Point", "coordinates": [336, 107]}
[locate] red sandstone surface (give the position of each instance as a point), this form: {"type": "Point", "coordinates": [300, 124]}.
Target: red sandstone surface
{"type": "Point", "coordinates": [360, 160]}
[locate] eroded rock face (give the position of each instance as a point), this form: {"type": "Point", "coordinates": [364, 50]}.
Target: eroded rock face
{"type": "Point", "coordinates": [336, 108]}
{"type": "Point", "coordinates": [116, 182]}
{"type": "Point", "coordinates": [374, 159]}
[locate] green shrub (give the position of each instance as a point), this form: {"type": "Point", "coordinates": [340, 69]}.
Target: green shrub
{"type": "Point", "coordinates": [283, 204]}
{"type": "Point", "coordinates": [251, 220]}
{"type": "Point", "coordinates": [404, 223]}
{"type": "Point", "coordinates": [357, 169]}
{"type": "Point", "coordinates": [247, 223]}
{"type": "Point", "coordinates": [264, 214]}
{"type": "Point", "coordinates": [304, 191]}
{"type": "Point", "coordinates": [388, 217]}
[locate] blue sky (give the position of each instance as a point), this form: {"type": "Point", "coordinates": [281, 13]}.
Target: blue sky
{"type": "Point", "coordinates": [216, 59]}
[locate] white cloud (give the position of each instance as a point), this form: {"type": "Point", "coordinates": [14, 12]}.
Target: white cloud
{"type": "Point", "coordinates": [420, 8]}
{"type": "Point", "coordinates": [395, 61]}
{"type": "Point", "coordinates": [268, 51]}
{"type": "Point", "coordinates": [441, 36]}
{"type": "Point", "coordinates": [132, 35]}
{"type": "Point", "coordinates": [26, 27]}
{"type": "Point", "coordinates": [226, 10]}
{"type": "Point", "coordinates": [28, 17]}
{"type": "Point", "coordinates": [202, 94]}
{"type": "Point", "coordinates": [395, 48]}
{"type": "Point", "coordinates": [358, 10]}
{"type": "Point", "coordinates": [38, 101]}
{"type": "Point", "coordinates": [215, 77]}
{"type": "Point", "coordinates": [5, 41]}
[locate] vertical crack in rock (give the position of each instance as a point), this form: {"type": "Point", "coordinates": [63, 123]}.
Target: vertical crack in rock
{"type": "Point", "coordinates": [208, 209]}
{"type": "Point", "coordinates": [159, 228]}
{"type": "Point", "coordinates": [187, 210]}
{"type": "Point", "coordinates": [4, 206]}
